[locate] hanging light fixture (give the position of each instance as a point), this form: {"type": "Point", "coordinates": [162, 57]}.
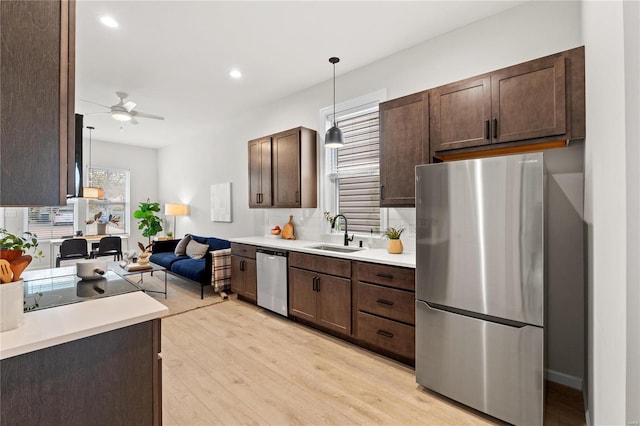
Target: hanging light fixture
{"type": "Point", "coordinates": [334, 138]}
{"type": "Point", "coordinates": [91, 191]}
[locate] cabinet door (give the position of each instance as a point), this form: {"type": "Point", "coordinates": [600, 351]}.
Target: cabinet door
{"type": "Point", "coordinates": [460, 114]}
{"type": "Point", "coordinates": [250, 279]}
{"type": "Point", "coordinates": [404, 143]}
{"type": "Point", "coordinates": [37, 124]}
{"type": "Point", "coordinates": [237, 275]}
{"type": "Point", "coordinates": [302, 294]}
{"type": "Point", "coordinates": [529, 100]}
{"type": "Point", "coordinates": [260, 172]}
{"type": "Point", "coordinates": [286, 169]}
{"type": "Point", "coordinates": [334, 303]}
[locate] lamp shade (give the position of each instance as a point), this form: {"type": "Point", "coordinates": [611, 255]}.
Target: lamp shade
{"type": "Point", "coordinates": [334, 138]}
{"type": "Point", "coordinates": [176, 209]}
{"type": "Point", "coordinates": [91, 192]}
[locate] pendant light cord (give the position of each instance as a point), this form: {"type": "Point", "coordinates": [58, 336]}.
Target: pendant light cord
{"type": "Point", "coordinates": [334, 94]}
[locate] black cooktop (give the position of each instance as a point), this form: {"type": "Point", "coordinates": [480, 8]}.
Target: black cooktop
{"type": "Point", "coordinates": [47, 292]}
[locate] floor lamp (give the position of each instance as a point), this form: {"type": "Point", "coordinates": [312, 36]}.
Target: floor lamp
{"type": "Point", "coordinates": [175, 210]}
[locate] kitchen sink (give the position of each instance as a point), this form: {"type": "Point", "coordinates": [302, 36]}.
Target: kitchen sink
{"type": "Point", "coordinates": [339, 249]}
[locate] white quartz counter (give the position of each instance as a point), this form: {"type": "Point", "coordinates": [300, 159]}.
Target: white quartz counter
{"type": "Point", "coordinates": [374, 255]}
{"type": "Point", "coordinates": [62, 324]}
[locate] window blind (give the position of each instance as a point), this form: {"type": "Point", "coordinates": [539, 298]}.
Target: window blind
{"type": "Point", "coordinates": [357, 172]}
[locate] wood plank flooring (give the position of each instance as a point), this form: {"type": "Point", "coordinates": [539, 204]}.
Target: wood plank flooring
{"type": "Point", "coordinates": [234, 363]}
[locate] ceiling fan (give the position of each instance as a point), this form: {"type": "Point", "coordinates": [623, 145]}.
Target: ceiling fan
{"type": "Point", "coordinates": [124, 110]}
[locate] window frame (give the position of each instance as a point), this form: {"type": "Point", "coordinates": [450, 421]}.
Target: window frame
{"type": "Point", "coordinates": [327, 185]}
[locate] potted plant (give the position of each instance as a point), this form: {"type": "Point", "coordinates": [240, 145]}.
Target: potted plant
{"type": "Point", "coordinates": [393, 234]}
{"type": "Point", "coordinates": [13, 261]}
{"type": "Point", "coordinates": [150, 224]}
{"type": "Point", "coordinates": [101, 222]}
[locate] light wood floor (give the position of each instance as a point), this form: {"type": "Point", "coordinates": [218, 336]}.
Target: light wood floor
{"type": "Point", "coordinates": [234, 363]}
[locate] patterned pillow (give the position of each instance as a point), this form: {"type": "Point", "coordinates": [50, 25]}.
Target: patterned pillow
{"type": "Point", "coordinates": [195, 250]}
{"type": "Point", "coordinates": [181, 248]}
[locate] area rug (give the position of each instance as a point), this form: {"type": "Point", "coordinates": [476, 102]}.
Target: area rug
{"type": "Point", "coordinates": [182, 295]}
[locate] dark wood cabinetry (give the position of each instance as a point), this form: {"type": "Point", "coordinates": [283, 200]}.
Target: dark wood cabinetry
{"type": "Point", "coordinates": [260, 172]}
{"type": "Point", "coordinates": [536, 101]}
{"type": "Point", "coordinates": [384, 309]}
{"type": "Point", "coordinates": [37, 125]}
{"type": "Point", "coordinates": [317, 292]}
{"type": "Point", "coordinates": [404, 133]}
{"type": "Point", "coordinates": [282, 170]}
{"type": "Point", "coordinates": [109, 378]}
{"type": "Point", "coordinates": [244, 279]}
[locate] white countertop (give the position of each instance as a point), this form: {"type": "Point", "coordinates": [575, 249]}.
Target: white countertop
{"type": "Point", "coordinates": [406, 259]}
{"type": "Point", "coordinates": [62, 324]}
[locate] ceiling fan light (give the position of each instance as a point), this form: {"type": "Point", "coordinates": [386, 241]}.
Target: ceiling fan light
{"type": "Point", "coordinates": [121, 115]}
{"type": "Point", "coordinates": [334, 137]}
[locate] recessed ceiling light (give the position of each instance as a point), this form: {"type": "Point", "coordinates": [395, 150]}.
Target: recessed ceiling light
{"type": "Point", "coordinates": [109, 21]}
{"type": "Point", "coordinates": [235, 74]}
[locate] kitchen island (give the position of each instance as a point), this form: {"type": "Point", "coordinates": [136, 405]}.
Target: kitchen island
{"type": "Point", "coordinates": [94, 362]}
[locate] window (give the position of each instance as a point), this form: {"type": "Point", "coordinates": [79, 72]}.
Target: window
{"type": "Point", "coordinates": [354, 170]}
{"type": "Point", "coordinates": [80, 214]}
{"type": "Point", "coordinates": [113, 208]}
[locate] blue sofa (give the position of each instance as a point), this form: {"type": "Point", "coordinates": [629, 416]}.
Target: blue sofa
{"type": "Point", "coordinates": [197, 270]}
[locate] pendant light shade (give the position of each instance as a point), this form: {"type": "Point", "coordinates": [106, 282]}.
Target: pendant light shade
{"type": "Point", "coordinates": [334, 137]}
{"type": "Point", "coordinates": [91, 191]}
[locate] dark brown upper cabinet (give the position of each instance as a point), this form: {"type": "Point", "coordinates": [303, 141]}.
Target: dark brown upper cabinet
{"type": "Point", "coordinates": [282, 170]}
{"type": "Point", "coordinates": [536, 101]}
{"type": "Point", "coordinates": [404, 143]}
{"type": "Point", "coordinates": [37, 127]}
{"type": "Point", "coordinates": [260, 172]}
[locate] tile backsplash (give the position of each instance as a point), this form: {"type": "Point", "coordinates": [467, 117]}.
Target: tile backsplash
{"type": "Point", "coordinates": [310, 224]}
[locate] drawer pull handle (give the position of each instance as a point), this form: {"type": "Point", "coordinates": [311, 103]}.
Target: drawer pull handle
{"type": "Point", "coordinates": [387, 276]}
{"type": "Point", "coordinates": [385, 334]}
{"type": "Point", "coordinates": [385, 302]}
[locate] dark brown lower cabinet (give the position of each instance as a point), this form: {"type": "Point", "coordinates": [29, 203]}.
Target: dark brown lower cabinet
{"type": "Point", "coordinates": [106, 379]}
{"type": "Point", "coordinates": [321, 299]}
{"type": "Point", "coordinates": [244, 278]}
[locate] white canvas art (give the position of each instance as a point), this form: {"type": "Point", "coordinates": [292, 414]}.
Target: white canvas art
{"type": "Point", "coordinates": [221, 202]}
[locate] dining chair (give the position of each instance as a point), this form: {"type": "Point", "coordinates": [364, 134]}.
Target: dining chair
{"type": "Point", "coordinates": [73, 248]}
{"type": "Point", "coordinates": [109, 246]}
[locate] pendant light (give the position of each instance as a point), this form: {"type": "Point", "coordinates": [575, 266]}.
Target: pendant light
{"type": "Point", "coordinates": [91, 191]}
{"type": "Point", "coordinates": [334, 138]}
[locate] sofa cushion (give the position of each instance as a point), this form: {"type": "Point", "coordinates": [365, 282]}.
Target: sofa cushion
{"type": "Point", "coordinates": [181, 248]}
{"type": "Point", "coordinates": [189, 268]}
{"type": "Point", "coordinates": [166, 259]}
{"type": "Point", "coordinates": [195, 250]}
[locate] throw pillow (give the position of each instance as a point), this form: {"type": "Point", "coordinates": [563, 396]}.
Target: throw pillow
{"type": "Point", "coordinates": [181, 248]}
{"type": "Point", "coordinates": [195, 250]}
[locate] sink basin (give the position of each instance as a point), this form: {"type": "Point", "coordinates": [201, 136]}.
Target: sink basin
{"type": "Point", "coordinates": [339, 249]}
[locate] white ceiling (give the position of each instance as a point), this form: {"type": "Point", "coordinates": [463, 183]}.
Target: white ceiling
{"type": "Point", "coordinates": [173, 57]}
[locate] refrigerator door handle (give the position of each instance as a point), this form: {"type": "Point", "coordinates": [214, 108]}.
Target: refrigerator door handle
{"type": "Point", "coordinates": [476, 315]}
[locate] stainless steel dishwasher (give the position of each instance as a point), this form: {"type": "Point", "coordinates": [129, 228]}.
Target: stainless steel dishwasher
{"type": "Point", "coordinates": [272, 280]}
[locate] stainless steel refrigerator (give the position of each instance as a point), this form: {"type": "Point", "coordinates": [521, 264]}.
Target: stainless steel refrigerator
{"type": "Point", "coordinates": [480, 284]}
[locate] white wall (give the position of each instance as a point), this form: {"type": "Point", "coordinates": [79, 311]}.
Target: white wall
{"type": "Point", "coordinates": [610, 32]}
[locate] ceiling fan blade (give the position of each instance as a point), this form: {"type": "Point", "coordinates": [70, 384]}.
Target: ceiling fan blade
{"type": "Point", "coordinates": [129, 106]}
{"type": "Point", "coordinates": [145, 115]}
{"type": "Point", "coordinates": [95, 103]}
{"type": "Point", "coordinates": [100, 112]}
{"type": "Point", "coordinates": [133, 121]}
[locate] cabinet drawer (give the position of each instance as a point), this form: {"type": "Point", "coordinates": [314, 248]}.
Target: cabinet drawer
{"type": "Point", "coordinates": [390, 276]}
{"type": "Point", "coordinates": [387, 302]}
{"type": "Point", "coordinates": [244, 250]}
{"type": "Point", "coordinates": [387, 334]}
{"type": "Point", "coordinates": [324, 264]}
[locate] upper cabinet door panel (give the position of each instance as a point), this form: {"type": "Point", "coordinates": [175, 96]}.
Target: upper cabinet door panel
{"type": "Point", "coordinates": [404, 143]}
{"type": "Point", "coordinates": [460, 114]}
{"type": "Point", "coordinates": [286, 169]}
{"type": "Point", "coordinates": [260, 173]}
{"type": "Point", "coordinates": [529, 100]}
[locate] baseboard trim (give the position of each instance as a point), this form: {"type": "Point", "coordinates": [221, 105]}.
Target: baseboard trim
{"type": "Point", "coordinates": [564, 379]}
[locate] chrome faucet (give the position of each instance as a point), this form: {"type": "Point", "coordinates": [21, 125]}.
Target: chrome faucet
{"type": "Point", "coordinates": [346, 233]}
